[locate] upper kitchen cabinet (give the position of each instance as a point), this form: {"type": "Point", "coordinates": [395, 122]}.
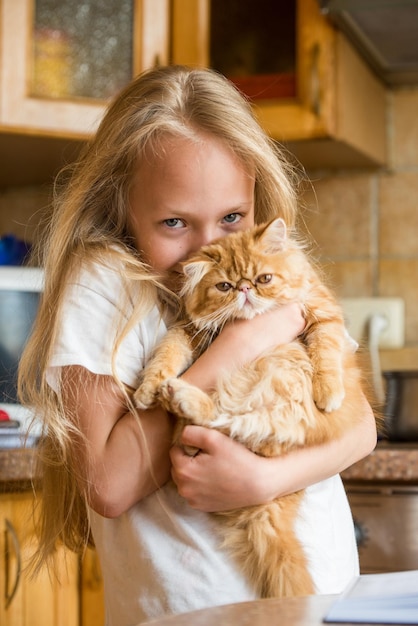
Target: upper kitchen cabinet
{"type": "Point", "coordinates": [309, 87]}
{"type": "Point", "coordinates": [60, 63]}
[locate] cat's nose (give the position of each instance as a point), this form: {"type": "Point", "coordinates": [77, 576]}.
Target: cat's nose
{"type": "Point", "coordinates": [245, 286]}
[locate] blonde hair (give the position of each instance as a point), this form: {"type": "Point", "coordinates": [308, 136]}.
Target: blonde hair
{"type": "Point", "coordinates": [90, 221]}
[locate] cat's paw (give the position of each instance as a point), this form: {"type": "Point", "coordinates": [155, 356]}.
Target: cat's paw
{"type": "Point", "coordinates": [146, 396]}
{"type": "Point", "coordinates": [328, 396]}
{"type": "Point", "coordinates": [186, 401]}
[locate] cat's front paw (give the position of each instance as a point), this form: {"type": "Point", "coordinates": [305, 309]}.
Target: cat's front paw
{"type": "Point", "coordinates": [328, 396]}
{"type": "Point", "coordinates": [186, 401]}
{"type": "Point", "coordinates": [147, 394]}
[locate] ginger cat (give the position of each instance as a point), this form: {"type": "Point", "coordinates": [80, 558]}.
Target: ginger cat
{"type": "Point", "coordinates": [299, 394]}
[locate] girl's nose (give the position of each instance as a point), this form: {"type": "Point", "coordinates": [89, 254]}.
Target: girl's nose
{"type": "Point", "coordinates": [203, 238]}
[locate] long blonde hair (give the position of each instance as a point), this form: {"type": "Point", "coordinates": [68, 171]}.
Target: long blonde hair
{"type": "Point", "coordinates": [90, 221]}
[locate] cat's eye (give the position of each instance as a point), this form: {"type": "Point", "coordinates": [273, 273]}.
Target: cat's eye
{"type": "Point", "coordinates": [223, 286]}
{"type": "Point", "coordinates": [264, 278]}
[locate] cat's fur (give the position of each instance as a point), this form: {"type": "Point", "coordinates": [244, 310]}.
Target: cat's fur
{"type": "Point", "coordinates": [300, 394]}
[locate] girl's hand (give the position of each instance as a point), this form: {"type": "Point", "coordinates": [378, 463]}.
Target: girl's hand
{"type": "Point", "coordinates": [224, 475]}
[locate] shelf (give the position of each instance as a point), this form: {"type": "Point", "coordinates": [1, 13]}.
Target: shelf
{"type": "Point", "coordinates": [32, 159]}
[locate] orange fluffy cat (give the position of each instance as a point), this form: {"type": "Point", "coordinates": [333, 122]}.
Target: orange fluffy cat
{"type": "Point", "coordinates": [299, 394]}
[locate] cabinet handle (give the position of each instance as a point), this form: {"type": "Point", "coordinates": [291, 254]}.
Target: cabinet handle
{"type": "Point", "coordinates": [315, 83]}
{"type": "Point", "coordinates": [96, 571]}
{"type": "Point", "coordinates": [10, 532]}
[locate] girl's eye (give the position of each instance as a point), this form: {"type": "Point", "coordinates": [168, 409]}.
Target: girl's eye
{"type": "Point", "coordinates": [264, 278]}
{"type": "Point", "coordinates": [224, 286]}
{"type": "Point", "coordinates": [231, 218]}
{"type": "Point", "coordinates": [174, 222]}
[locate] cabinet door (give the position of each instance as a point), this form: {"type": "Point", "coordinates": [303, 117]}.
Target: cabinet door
{"type": "Point", "coordinates": [299, 60]}
{"type": "Point", "coordinates": [46, 600]}
{"type": "Point", "coordinates": [61, 60]}
{"type": "Point", "coordinates": [7, 572]}
{"type": "Point", "coordinates": [330, 110]}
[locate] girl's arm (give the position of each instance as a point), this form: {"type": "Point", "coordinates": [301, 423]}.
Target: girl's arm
{"type": "Point", "coordinates": [242, 341]}
{"type": "Point", "coordinates": [225, 475]}
{"type": "Point", "coordinates": [117, 461]}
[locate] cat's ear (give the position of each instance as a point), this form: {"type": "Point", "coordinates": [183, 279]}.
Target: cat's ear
{"type": "Point", "coordinates": [194, 272]}
{"type": "Point", "coordinates": [274, 236]}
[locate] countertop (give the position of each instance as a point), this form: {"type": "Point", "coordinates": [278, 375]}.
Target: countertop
{"type": "Point", "coordinates": [389, 462]}
{"type": "Point", "coordinates": [17, 469]}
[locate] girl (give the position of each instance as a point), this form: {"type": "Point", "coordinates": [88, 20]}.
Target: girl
{"type": "Point", "coordinates": [178, 161]}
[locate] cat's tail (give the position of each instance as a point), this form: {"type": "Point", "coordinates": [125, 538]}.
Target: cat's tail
{"type": "Point", "coordinates": [263, 541]}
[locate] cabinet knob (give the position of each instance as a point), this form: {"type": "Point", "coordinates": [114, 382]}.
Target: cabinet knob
{"type": "Point", "coordinates": [11, 533]}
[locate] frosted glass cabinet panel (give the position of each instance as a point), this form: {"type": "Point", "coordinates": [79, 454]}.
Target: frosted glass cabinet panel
{"type": "Point", "coordinates": [61, 60]}
{"type": "Point", "coordinates": [81, 48]}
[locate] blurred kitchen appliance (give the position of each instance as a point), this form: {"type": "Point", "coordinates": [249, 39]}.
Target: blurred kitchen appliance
{"type": "Point", "coordinates": [386, 524]}
{"type": "Point", "coordinates": [20, 291]}
{"type": "Point", "coordinates": [401, 406]}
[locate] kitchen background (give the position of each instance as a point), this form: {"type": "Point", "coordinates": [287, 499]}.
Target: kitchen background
{"type": "Point", "coordinates": [364, 222]}
{"type": "Point", "coordinates": [354, 129]}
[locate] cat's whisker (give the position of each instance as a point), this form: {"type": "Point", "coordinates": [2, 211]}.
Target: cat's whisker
{"type": "Point", "coordinates": [203, 340]}
{"type": "Point", "coordinates": [202, 336]}
{"type": "Point", "coordinates": [213, 321]}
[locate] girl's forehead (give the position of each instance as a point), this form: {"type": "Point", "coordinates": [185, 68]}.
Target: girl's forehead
{"type": "Point", "coordinates": [178, 158]}
{"type": "Point", "coordinates": [163, 146]}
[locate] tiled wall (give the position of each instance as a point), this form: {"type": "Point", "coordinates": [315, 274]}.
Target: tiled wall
{"type": "Point", "coordinates": [365, 224]}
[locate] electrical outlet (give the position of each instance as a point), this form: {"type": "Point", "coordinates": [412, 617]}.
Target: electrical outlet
{"type": "Point", "coordinates": [359, 311]}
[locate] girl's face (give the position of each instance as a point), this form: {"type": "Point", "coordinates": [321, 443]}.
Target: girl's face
{"type": "Point", "coordinates": [190, 194]}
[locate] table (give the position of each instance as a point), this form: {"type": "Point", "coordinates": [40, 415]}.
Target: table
{"type": "Point", "coordinates": [306, 611]}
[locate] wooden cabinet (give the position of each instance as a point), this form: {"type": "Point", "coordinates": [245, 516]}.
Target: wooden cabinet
{"type": "Point", "coordinates": [43, 118]}
{"type": "Point", "coordinates": [42, 601]}
{"type": "Point", "coordinates": [337, 115]}
{"type": "Point", "coordinates": [91, 591]}
{"type": "Point", "coordinates": [25, 103]}
{"type": "Point", "coordinates": [332, 115]}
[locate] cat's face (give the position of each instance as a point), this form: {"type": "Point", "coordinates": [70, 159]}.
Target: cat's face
{"type": "Point", "coordinates": [241, 276]}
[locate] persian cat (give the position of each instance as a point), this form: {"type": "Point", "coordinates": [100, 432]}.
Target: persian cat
{"type": "Point", "coordinates": [303, 393]}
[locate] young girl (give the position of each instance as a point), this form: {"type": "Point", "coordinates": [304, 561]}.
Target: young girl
{"type": "Point", "coordinates": [178, 161]}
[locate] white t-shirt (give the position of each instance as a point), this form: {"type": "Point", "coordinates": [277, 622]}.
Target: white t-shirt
{"type": "Point", "coordinates": [162, 556]}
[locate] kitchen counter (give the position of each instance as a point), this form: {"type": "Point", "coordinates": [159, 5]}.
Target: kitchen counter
{"type": "Point", "coordinates": [17, 469]}
{"type": "Point", "coordinates": [389, 462]}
